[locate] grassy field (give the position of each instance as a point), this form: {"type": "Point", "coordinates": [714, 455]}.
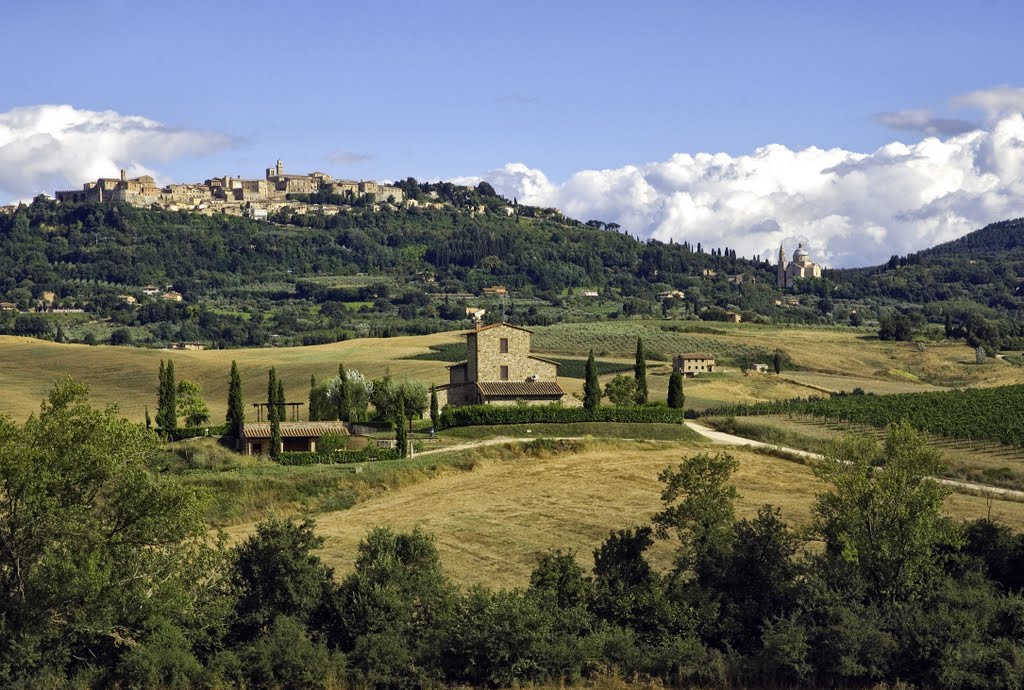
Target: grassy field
{"type": "Point", "coordinates": [828, 359]}
{"type": "Point", "coordinates": [498, 510]}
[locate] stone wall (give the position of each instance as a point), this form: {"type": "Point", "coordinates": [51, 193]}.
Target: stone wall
{"type": "Point", "coordinates": [521, 365]}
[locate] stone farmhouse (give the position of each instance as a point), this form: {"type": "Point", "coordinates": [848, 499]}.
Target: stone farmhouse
{"type": "Point", "coordinates": [225, 193]}
{"type": "Point", "coordinates": [499, 370]}
{"type": "Point", "coordinates": [693, 363]}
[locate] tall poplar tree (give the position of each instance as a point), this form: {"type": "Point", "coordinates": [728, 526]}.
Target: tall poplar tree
{"type": "Point", "coordinates": [236, 407]}
{"type": "Point", "coordinates": [640, 373]}
{"type": "Point", "coordinates": [591, 386]}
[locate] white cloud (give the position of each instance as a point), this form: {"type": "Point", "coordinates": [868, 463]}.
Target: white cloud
{"type": "Point", "coordinates": [997, 101]}
{"type": "Point", "coordinates": [849, 208]}
{"type": "Point", "coordinates": [48, 147]}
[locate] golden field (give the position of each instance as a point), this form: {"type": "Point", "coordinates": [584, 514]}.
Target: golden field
{"type": "Point", "coordinates": [493, 521]}
{"type": "Point", "coordinates": [836, 359]}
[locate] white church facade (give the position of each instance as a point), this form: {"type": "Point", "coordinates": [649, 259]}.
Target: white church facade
{"type": "Point", "coordinates": [799, 269]}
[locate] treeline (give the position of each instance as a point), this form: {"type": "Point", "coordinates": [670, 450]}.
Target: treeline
{"type": "Point", "coordinates": [980, 414]}
{"type": "Point", "coordinates": [111, 579]}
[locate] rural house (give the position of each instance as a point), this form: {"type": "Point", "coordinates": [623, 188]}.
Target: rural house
{"type": "Point", "coordinates": [295, 436]}
{"type": "Point", "coordinates": [499, 370]}
{"type": "Point", "coordinates": [693, 363]}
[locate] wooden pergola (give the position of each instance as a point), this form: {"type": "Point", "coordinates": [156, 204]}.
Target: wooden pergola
{"type": "Point", "coordinates": [260, 407]}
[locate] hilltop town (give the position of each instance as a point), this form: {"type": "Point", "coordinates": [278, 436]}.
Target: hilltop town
{"type": "Point", "coordinates": [252, 198]}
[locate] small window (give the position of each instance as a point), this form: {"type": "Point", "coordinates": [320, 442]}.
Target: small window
{"type": "Point", "coordinates": [504, 373]}
{"type": "Point", "coordinates": [503, 345]}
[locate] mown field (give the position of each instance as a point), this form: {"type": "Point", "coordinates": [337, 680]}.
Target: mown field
{"type": "Point", "coordinates": [832, 359]}
{"type": "Point", "coordinates": [499, 509]}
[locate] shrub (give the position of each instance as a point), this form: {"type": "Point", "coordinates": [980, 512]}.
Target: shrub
{"type": "Point", "coordinates": [338, 457]}
{"type": "Point", "coordinates": [478, 415]}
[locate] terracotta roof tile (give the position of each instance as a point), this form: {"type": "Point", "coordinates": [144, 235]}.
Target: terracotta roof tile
{"type": "Point", "coordinates": [295, 429]}
{"type": "Point", "coordinates": [520, 389]}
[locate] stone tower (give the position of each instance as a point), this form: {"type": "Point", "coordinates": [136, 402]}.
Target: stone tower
{"type": "Point", "coordinates": [781, 280]}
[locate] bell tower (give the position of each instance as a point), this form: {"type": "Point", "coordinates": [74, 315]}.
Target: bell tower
{"type": "Point", "coordinates": [781, 280]}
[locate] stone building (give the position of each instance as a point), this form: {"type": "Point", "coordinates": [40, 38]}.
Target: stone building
{"type": "Point", "coordinates": [224, 192]}
{"type": "Point", "coordinates": [801, 268]}
{"type": "Point", "coordinates": [499, 370]}
{"type": "Point", "coordinates": [295, 436]}
{"type": "Point", "coordinates": [693, 363]}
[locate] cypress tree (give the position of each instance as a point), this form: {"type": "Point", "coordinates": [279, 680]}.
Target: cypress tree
{"type": "Point", "coordinates": [401, 435]}
{"type": "Point", "coordinates": [591, 386]}
{"type": "Point", "coordinates": [161, 395]}
{"type": "Point", "coordinates": [435, 414]}
{"type": "Point", "coordinates": [777, 363]}
{"type": "Point", "coordinates": [342, 401]}
{"type": "Point", "coordinates": [676, 397]}
{"type": "Point", "coordinates": [167, 413]}
{"type": "Point", "coordinates": [640, 373]}
{"type": "Point", "coordinates": [149, 422]}
{"type": "Point", "coordinates": [313, 416]}
{"type": "Point", "coordinates": [236, 407]}
{"type": "Point", "coordinates": [272, 414]}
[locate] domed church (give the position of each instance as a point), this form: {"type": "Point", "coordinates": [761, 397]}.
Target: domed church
{"type": "Point", "coordinates": [801, 267]}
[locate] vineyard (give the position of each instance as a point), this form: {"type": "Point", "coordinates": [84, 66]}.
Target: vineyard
{"type": "Point", "coordinates": [989, 414]}
{"type": "Point", "coordinates": [619, 339]}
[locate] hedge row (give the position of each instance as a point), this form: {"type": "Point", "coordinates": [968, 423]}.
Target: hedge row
{"type": "Point", "coordinates": [339, 457]}
{"type": "Point", "coordinates": [193, 431]}
{"type": "Point", "coordinates": [478, 415]}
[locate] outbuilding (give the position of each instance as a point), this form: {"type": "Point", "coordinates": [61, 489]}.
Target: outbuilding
{"type": "Point", "coordinates": [295, 436]}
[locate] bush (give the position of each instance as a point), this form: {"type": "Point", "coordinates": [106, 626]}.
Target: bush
{"type": "Point", "coordinates": [338, 457]}
{"type": "Point", "coordinates": [478, 415]}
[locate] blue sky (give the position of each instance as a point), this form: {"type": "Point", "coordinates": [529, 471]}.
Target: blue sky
{"type": "Point", "coordinates": [460, 89]}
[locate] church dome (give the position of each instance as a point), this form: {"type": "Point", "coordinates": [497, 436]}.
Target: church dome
{"type": "Point", "coordinates": [800, 254]}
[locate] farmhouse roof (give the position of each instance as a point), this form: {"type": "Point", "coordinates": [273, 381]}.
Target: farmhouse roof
{"type": "Point", "coordinates": [543, 359]}
{"type": "Point", "coordinates": [697, 355]}
{"type": "Point", "coordinates": [457, 364]}
{"type": "Point", "coordinates": [520, 389]}
{"type": "Point", "coordinates": [295, 429]}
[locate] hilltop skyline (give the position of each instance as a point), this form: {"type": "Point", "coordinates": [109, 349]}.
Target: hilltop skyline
{"type": "Point", "coordinates": [863, 132]}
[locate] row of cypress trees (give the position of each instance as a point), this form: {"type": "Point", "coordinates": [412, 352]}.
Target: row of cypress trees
{"type": "Point", "coordinates": [592, 387]}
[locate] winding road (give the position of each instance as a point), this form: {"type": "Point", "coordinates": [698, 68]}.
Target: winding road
{"type": "Point", "coordinates": [729, 439]}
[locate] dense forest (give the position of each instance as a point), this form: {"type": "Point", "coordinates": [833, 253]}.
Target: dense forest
{"type": "Point", "coordinates": [316, 278]}
{"type": "Point", "coordinates": [110, 579]}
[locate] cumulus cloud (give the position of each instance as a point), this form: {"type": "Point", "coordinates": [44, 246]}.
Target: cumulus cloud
{"type": "Point", "coordinates": [1000, 100]}
{"type": "Point", "coordinates": [46, 147]}
{"type": "Point", "coordinates": [849, 208]}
